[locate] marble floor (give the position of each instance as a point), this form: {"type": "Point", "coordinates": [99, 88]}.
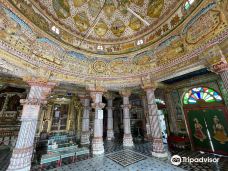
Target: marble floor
{"type": "Point", "coordinates": [116, 157]}
{"type": "Point", "coordinates": [105, 163]}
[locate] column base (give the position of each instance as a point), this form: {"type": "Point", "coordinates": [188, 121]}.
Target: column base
{"type": "Point", "coordinates": [158, 148]}
{"type": "Point", "coordinates": [85, 138]}
{"type": "Point", "coordinates": [127, 140]}
{"type": "Point", "coordinates": [110, 135]}
{"type": "Point", "coordinates": [97, 146]}
{"type": "Point", "coordinates": [21, 159]}
{"type": "Point", "coordinates": [160, 155]}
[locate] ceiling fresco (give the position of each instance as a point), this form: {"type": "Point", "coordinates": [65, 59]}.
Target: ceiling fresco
{"type": "Point", "coordinates": [85, 23]}
{"type": "Point", "coordinates": [29, 47]}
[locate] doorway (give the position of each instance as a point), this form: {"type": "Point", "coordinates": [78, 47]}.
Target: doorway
{"type": "Point", "coordinates": [207, 120]}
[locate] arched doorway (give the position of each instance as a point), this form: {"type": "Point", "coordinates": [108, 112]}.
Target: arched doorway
{"type": "Point", "coordinates": [207, 120]}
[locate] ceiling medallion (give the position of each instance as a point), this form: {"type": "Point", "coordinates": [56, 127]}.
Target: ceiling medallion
{"type": "Point", "coordinates": [99, 66]}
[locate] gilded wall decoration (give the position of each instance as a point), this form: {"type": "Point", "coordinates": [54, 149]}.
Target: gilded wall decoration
{"type": "Point", "coordinates": [135, 23]}
{"type": "Point", "coordinates": [138, 2]}
{"type": "Point", "coordinates": [78, 3]}
{"type": "Point", "coordinates": [28, 10]}
{"type": "Point", "coordinates": [94, 7]}
{"type": "Point", "coordinates": [118, 66]}
{"type": "Point", "coordinates": [118, 27]}
{"type": "Point", "coordinates": [81, 21]}
{"type": "Point", "coordinates": [62, 8]}
{"type": "Point", "coordinates": [203, 26]}
{"type": "Point", "coordinates": [173, 51]}
{"type": "Point", "coordinates": [101, 28]}
{"type": "Point", "coordinates": [109, 8]}
{"type": "Point", "coordinates": [99, 66]}
{"type": "Point", "coordinates": [155, 8]}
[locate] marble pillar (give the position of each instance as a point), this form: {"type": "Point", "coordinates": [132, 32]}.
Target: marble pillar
{"type": "Point", "coordinates": [153, 117]}
{"type": "Point", "coordinates": [221, 68]}
{"type": "Point", "coordinates": [22, 153]}
{"type": "Point", "coordinates": [85, 134]}
{"type": "Point", "coordinates": [171, 112]}
{"type": "Point", "coordinates": [110, 133]}
{"type": "Point", "coordinates": [97, 142]}
{"type": "Point", "coordinates": [127, 139]}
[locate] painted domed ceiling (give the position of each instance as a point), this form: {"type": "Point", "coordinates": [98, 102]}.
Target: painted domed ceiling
{"type": "Point", "coordinates": [116, 25]}
{"type": "Point", "coordinates": [107, 20]}
{"type": "Point", "coordinates": [115, 42]}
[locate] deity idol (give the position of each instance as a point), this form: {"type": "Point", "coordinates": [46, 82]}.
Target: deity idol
{"type": "Point", "coordinates": [198, 131]}
{"type": "Point", "coordinates": [219, 131]}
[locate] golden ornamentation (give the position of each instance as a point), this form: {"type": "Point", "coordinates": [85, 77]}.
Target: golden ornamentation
{"type": "Point", "coordinates": [81, 21]}
{"type": "Point", "coordinates": [205, 25]}
{"type": "Point", "coordinates": [101, 28]}
{"type": "Point", "coordinates": [109, 8]}
{"type": "Point", "coordinates": [135, 24]}
{"type": "Point", "coordinates": [155, 8]}
{"type": "Point", "coordinates": [99, 66]}
{"type": "Point", "coordinates": [118, 28]}
{"type": "Point", "coordinates": [62, 8]}
{"type": "Point", "coordinates": [78, 3]}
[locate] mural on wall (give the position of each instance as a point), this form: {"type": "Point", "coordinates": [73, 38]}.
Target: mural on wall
{"type": "Point", "coordinates": [198, 133]}
{"type": "Point", "coordinates": [206, 24]}
{"type": "Point", "coordinates": [207, 119]}
{"type": "Point", "coordinates": [198, 130]}
{"type": "Point", "coordinates": [219, 131]}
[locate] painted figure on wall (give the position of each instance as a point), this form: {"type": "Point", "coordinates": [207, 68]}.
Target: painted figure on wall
{"type": "Point", "coordinates": [219, 131]}
{"type": "Point", "coordinates": [198, 130]}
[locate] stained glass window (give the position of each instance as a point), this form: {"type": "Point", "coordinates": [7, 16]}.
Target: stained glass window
{"type": "Point", "coordinates": [188, 3]}
{"type": "Point", "coordinates": [201, 93]}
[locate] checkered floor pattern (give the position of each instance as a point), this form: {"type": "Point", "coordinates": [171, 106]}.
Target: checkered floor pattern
{"type": "Point", "coordinates": [126, 157]}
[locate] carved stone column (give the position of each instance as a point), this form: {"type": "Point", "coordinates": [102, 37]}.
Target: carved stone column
{"type": "Point", "coordinates": [171, 112]}
{"type": "Point", "coordinates": [110, 132]}
{"type": "Point", "coordinates": [146, 125]}
{"type": "Point", "coordinates": [85, 134]}
{"type": "Point", "coordinates": [97, 143]}
{"type": "Point", "coordinates": [157, 143]}
{"type": "Point", "coordinates": [221, 68]}
{"type": "Point", "coordinates": [22, 153]}
{"type": "Point", "coordinates": [127, 139]}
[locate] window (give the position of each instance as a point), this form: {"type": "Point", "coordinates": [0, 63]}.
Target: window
{"type": "Point", "coordinates": [201, 94]}
{"type": "Point", "coordinates": [139, 42]}
{"type": "Point", "coordinates": [188, 4]}
{"type": "Point", "coordinates": [55, 29]}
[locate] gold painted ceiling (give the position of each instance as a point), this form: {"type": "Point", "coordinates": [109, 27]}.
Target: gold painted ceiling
{"type": "Point", "coordinates": [116, 25]}
{"type": "Point", "coordinates": [176, 41]}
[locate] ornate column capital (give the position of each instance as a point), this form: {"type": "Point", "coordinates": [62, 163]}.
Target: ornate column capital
{"type": "Point", "coordinates": [98, 105]}
{"type": "Point", "coordinates": [109, 96]}
{"type": "Point", "coordinates": [125, 92]}
{"type": "Point", "coordinates": [39, 81]}
{"type": "Point", "coordinates": [148, 83]}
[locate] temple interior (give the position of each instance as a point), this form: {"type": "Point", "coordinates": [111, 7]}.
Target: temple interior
{"type": "Point", "coordinates": [113, 85]}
